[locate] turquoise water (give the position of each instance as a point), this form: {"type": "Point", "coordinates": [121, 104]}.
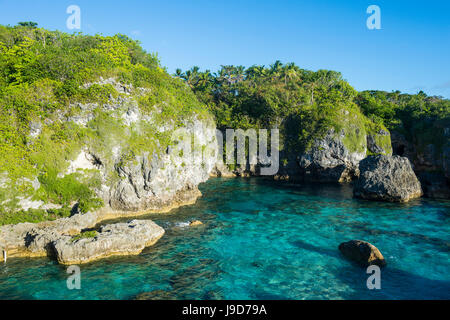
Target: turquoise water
{"type": "Point", "coordinates": [264, 241]}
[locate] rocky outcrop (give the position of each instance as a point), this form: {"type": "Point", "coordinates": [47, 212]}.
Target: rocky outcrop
{"type": "Point", "coordinates": [153, 181]}
{"type": "Point", "coordinates": [335, 156]}
{"type": "Point", "coordinates": [387, 178]}
{"type": "Point", "coordinates": [428, 149]}
{"type": "Point", "coordinates": [379, 142]}
{"type": "Point", "coordinates": [34, 239]}
{"type": "Point", "coordinates": [362, 252]}
{"type": "Point", "coordinates": [131, 161]}
{"type": "Point", "coordinates": [112, 240]}
{"type": "Point", "coordinates": [54, 238]}
{"type": "Point", "coordinates": [329, 160]}
{"type": "Point", "coordinates": [221, 170]}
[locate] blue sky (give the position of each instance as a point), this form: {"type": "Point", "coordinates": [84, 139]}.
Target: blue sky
{"type": "Point", "coordinates": [410, 53]}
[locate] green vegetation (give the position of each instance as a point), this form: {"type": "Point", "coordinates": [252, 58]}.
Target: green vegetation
{"type": "Point", "coordinates": [48, 78]}
{"type": "Point", "coordinates": [85, 235]}
{"type": "Point", "coordinates": [67, 190]}
{"type": "Point", "coordinates": [306, 104]}
{"type": "Point", "coordinates": [302, 103]}
{"type": "Point", "coordinates": [420, 118]}
{"type": "Point", "coordinates": [33, 215]}
{"type": "Point", "coordinates": [56, 92]}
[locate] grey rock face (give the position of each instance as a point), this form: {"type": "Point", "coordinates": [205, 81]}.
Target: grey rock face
{"type": "Point", "coordinates": [35, 129]}
{"type": "Point", "coordinates": [140, 180]}
{"type": "Point", "coordinates": [387, 178]}
{"type": "Point", "coordinates": [33, 239]}
{"type": "Point", "coordinates": [54, 239]}
{"type": "Point", "coordinates": [221, 170]}
{"type": "Point", "coordinates": [330, 161]}
{"type": "Point", "coordinates": [434, 184]}
{"type": "Point", "coordinates": [375, 147]}
{"type": "Point", "coordinates": [112, 240]}
{"type": "Point", "coordinates": [362, 252]}
{"type": "Point", "coordinates": [151, 182]}
{"type": "Point", "coordinates": [431, 161]}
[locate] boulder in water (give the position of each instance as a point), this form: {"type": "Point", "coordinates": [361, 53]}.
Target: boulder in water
{"type": "Point", "coordinates": [362, 253]}
{"type": "Point", "coordinates": [387, 178]}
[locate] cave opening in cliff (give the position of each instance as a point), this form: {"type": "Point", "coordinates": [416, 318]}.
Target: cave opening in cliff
{"type": "Point", "coordinates": [400, 150]}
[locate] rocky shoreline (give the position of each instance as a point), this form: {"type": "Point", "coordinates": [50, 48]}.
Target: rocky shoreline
{"type": "Point", "coordinates": [39, 239]}
{"type": "Point", "coordinates": [383, 177]}
{"type": "Point", "coordinates": [161, 181]}
{"type": "Point", "coordinates": [112, 240]}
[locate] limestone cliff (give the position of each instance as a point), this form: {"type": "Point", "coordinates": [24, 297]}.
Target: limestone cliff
{"type": "Point", "coordinates": [333, 151]}
{"type": "Point", "coordinates": [428, 149]}
{"type": "Point", "coordinates": [126, 156]}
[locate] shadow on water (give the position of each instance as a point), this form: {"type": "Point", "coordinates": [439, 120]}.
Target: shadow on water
{"type": "Point", "coordinates": [310, 247]}
{"type": "Point", "coordinates": [393, 284]}
{"type": "Point", "coordinates": [393, 280]}
{"type": "Point", "coordinates": [414, 237]}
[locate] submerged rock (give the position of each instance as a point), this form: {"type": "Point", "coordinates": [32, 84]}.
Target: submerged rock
{"type": "Point", "coordinates": [362, 252]}
{"type": "Point", "coordinates": [387, 178]}
{"type": "Point", "coordinates": [112, 240]}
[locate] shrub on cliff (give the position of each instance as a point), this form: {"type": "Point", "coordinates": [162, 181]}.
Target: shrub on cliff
{"type": "Point", "coordinates": [421, 119]}
{"type": "Point", "coordinates": [46, 79]}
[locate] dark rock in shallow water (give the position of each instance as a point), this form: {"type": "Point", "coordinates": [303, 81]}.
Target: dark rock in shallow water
{"type": "Point", "coordinates": [362, 253]}
{"type": "Point", "coordinates": [387, 178]}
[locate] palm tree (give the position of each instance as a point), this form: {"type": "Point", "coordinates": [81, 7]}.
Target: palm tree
{"type": "Point", "coordinates": [275, 69]}
{"type": "Point", "coordinates": [178, 73]}
{"type": "Point", "coordinates": [250, 72]}
{"type": "Point", "coordinates": [204, 79]}
{"type": "Point", "coordinates": [239, 74]}
{"type": "Point", "coordinates": [312, 86]}
{"type": "Point", "coordinates": [190, 78]}
{"type": "Point", "coordinates": [289, 72]}
{"type": "Point", "coordinates": [227, 74]}
{"type": "Point", "coordinates": [261, 71]}
{"type": "Point", "coordinates": [195, 70]}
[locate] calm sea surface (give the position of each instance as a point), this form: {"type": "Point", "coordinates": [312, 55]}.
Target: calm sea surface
{"type": "Point", "coordinates": [261, 240]}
